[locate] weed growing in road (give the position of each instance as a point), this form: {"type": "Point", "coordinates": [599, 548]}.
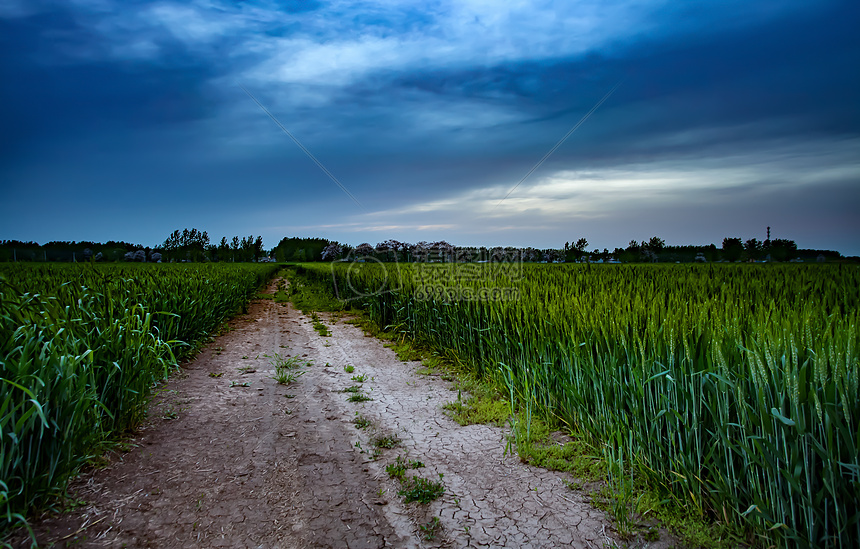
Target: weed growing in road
{"type": "Point", "coordinates": [288, 370]}
{"type": "Point", "coordinates": [291, 363]}
{"type": "Point", "coordinates": [398, 468]}
{"type": "Point", "coordinates": [421, 490]}
{"type": "Point", "coordinates": [358, 397]}
{"type": "Point", "coordinates": [285, 378]}
{"type": "Point", "coordinates": [319, 326]}
{"type": "Point", "coordinates": [360, 421]}
{"type": "Point", "coordinates": [349, 368]}
{"type": "Point", "coordinates": [385, 441]}
{"type": "Point", "coordinates": [431, 528]}
{"type": "Point", "coordinates": [214, 374]}
{"type": "Point", "coordinates": [237, 384]}
{"type": "Point", "coordinates": [359, 379]}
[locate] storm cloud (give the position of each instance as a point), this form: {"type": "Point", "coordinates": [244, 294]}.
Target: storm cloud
{"type": "Point", "coordinates": [126, 120]}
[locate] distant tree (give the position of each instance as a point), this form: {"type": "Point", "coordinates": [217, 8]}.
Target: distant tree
{"type": "Point", "coordinates": [394, 250]}
{"type": "Point", "coordinates": [404, 249]}
{"type": "Point", "coordinates": [186, 244]}
{"type": "Point", "coordinates": [420, 251]}
{"type": "Point", "coordinates": [781, 249]}
{"type": "Point", "coordinates": [288, 249]}
{"type": "Point", "coordinates": [711, 253]}
{"type": "Point", "coordinates": [223, 250]}
{"type": "Point", "coordinates": [139, 255]}
{"type": "Point", "coordinates": [498, 254]}
{"type": "Point", "coordinates": [387, 249]}
{"type": "Point", "coordinates": [443, 250]}
{"type": "Point", "coordinates": [631, 253]}
{"type": "Point", "coordinates": [258, 248]}
{"type": "Point", "coordinates": [753, 248]}
{"type": "Point", "coordinates": [246, 246]}
{"type": "Point", "coordinates": [332, 252]}
{"type": "Point", "coordinates": [733, 248]}
{"type": "Point", "coordinates": [533, 254]}
{"type": "Point", "coordinates": [656, 244]}
{"type": "Point", "coordinates": [364, 249]}
{"type": "Point", "coordinates": [576, 251]}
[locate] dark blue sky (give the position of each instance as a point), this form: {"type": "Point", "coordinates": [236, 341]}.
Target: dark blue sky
{"type": "Point", "coordinates": [126, 119]}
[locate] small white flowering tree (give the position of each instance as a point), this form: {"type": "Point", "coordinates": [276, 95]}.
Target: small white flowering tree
{"type": "Point", "coordinates": [364, 249]}
{"type": "Point", "coordinates": [332, 252]}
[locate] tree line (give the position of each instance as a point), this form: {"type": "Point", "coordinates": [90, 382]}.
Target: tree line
{"type": "Point", "coordinates": [195, 245]}
{"type": "Point", "coordinates": [181, 245]}
{"type": "Point", "coordinates": [652, 250]}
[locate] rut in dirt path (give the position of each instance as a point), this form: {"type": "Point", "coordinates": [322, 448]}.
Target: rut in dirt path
{"type": "Point", "coordinates": [230, 458]}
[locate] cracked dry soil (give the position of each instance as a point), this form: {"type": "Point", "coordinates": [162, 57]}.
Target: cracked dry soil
{"type": "Point", "coordinates": [238, 460]}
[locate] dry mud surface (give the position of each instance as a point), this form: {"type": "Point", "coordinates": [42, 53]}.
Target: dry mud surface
{"type": "Point", "coordinates": [220, 464]}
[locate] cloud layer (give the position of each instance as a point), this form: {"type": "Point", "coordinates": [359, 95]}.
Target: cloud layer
{"type": "Point", "coordinates": [126, 120]}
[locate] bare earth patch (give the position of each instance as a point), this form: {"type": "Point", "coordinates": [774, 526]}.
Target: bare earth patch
{"type": "Point", "coordinates": [231, 458]}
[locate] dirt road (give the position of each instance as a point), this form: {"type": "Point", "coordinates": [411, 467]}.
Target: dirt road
{"type": "Point", "coordinates": [230, 458]}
